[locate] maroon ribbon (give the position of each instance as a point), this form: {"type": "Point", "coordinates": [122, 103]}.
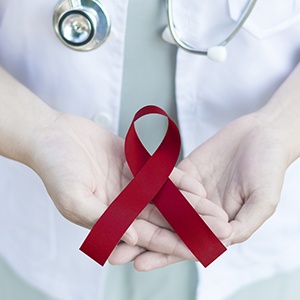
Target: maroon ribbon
{"type": "Point", "coordinates": [151, 183]}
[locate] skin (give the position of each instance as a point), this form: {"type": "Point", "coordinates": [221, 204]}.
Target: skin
{"type": "Point", "coordinates": [243, 180]}
{"type": "Point", "coordinates": [83, 168]}
{"type": "Point", "coordinates": [247, 177]}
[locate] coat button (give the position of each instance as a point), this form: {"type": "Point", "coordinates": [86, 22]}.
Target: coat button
{"type": "Point", "coordinates": [102, 119]}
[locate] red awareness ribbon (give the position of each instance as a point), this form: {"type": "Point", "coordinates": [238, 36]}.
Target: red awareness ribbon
{"type": "Point", "coordinates": [151, 183]}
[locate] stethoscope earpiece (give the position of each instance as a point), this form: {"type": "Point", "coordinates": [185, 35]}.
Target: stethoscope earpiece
{"type": "Point", "coordinates": [217, 53]}
{"type": "Point", "coordinates": [81, 25]}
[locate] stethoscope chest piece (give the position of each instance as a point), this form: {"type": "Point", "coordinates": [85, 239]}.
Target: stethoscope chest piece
{"type": "Point", "coordinates": [81, 25]}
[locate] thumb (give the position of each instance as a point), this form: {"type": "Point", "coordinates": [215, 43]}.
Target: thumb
{"type": "Point", "coordinates": [186, 182]}
{"type": "Point", "coordinates": [84, 209]}
{"type": "Point", "coordinates": [257, 209]}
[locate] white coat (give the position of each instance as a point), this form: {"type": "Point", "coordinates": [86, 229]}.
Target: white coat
{"type": "Point", "coordinates": [209, 95]}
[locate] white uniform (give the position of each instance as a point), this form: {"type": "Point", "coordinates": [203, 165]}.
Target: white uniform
{"type": "Point", "coordinates": [43, 247]}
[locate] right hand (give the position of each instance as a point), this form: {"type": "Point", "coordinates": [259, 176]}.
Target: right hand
{"type": "Point", "coordinates": [82, 166]}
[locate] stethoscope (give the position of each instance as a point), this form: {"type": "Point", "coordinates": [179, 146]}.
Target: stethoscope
{"type": "Point", "coordinates": [81, 24]}
{"type": "Point", "coordinates": [85, 25]}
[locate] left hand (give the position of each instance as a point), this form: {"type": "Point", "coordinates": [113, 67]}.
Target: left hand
{"type": "Point", "coordinates": [242, 168]}
{"type": "Point", "coordinates": [157, 244]}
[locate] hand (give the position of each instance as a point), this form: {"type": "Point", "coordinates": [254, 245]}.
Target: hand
{"type": "Point", "coordinates": [242, 168]}
{"type": "Point", "coordinates": [82, 166]}
{"type": "Point", "coordinates": [157, 244]}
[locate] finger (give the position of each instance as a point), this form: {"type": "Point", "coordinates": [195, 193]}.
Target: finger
{"type": "Point", "coordinates": [213, 215]}
{"type": "Point", "coordinates": [84, 209]}
{"type": "Point", "coordinates": [204, 206]}
{"type": "Point", "coordinates": [185, 182]}
{"type": "Point", "coordinates": [256, 210]}
{"type": "Point", "coordinates": [143, 260]}
{"type": "Point", "coordinates": [222, 229]}
{"type": "Point", "coordinates": [149, 261]}
{"type": "Point", "coordinates": [161, 240]}
{"type": "Point", "coordinates": [124, 253]}
{"type": "Point", "coordinates": [152, 215]}
{"type": "Point", "coordinates": [130, 237]}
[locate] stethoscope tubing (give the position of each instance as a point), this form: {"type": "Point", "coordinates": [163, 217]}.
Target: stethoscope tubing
{"type": "Point", "coordinates": [94, 12]}
{"type": "Point", "coordinates": [189, 48]}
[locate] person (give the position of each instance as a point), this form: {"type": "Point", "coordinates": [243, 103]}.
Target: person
{"type": "Point", "coordinates": [36, 135]}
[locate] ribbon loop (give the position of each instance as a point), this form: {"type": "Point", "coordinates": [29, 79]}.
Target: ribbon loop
{"type": "Point", "coordinates": [135, 152]}
{"type": "Point", "coordinates": [151, 183]}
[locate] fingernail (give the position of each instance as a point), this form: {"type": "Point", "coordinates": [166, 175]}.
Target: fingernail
{"type": "Point", "coordinates": [129, 239]}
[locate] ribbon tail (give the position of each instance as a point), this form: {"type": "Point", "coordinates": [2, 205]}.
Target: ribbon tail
{"type": "Point", "coordinates": [189, 226]}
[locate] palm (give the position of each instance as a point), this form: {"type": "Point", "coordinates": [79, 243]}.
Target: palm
{"type": "Point", "coordinates": [82, 166]}
{"type": "Point", "coordinates": [236, 167]}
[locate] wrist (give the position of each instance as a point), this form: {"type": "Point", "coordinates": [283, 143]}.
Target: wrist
{"type": "Point", "coordinates": [22, 114]}
{"type": "Point", "coordinates": [38, 128]}
{"type": "Point", "coordinates": [282, 113]}
{"type": "Point", "coordinates": [22, 133]}
{"type": "Point", "coordinates": [284, 122]}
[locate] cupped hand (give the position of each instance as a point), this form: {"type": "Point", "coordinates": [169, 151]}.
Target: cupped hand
{"type": "Point", "coordinates": [82, 166]}
{"type": "Point", "coordinates": [242, 168]}
{"type": "Point", "coordinates": [158, 245]}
